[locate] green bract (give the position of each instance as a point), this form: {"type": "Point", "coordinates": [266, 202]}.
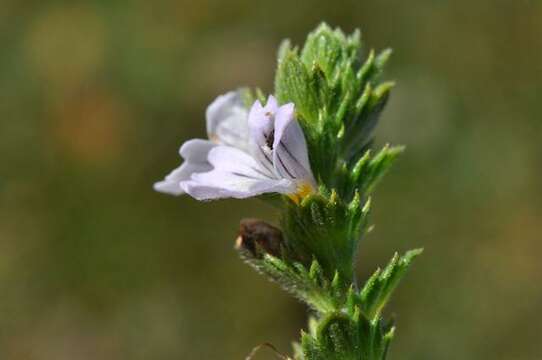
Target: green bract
{"type": "Point", "coordinates": [338, 98]}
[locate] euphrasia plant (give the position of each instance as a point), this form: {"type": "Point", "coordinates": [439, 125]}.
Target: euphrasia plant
{"type": "Point", "coordinates": [307, 148]}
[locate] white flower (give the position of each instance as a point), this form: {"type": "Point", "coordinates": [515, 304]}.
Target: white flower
{"type": "Point", "coordinates": [266, 154]}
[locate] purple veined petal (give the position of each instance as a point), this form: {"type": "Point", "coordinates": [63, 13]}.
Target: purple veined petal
{"type": "Point", "coordinates": [227, 120]}
{"type": "Point", "coordinates": [195, 153]}
{"type": "Point", "coordinates": [235, 161]}
{"type": "Point", "coordinates": [261, 122]}
{"type": "Point", "coordinates": [290, 154]}
{"type": "Point", "coordinates": [218, 184]}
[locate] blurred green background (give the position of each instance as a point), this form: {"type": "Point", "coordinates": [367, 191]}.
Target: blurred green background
{"type": "Point", "coordinates": [97, 96]}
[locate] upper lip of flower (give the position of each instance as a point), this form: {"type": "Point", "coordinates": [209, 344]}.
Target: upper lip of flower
{"type": "Point", "coordinates": [227, 120]}
{"type": "Point", "coordinates": [264, 152]}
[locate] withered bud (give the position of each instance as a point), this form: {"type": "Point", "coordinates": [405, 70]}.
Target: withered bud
{"type": "Point", "coordinates": [257, 236]}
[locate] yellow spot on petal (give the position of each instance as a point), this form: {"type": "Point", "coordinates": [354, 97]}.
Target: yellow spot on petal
{"type": "Point", "coordinates": [303, 189]}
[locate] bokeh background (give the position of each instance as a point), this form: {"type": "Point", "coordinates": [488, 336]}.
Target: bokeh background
{"type": "Point", "coordinates": [97, 96]}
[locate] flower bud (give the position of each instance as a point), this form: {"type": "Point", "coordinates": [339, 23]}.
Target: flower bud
{"type": "Point", "coordinates": [256, 238]}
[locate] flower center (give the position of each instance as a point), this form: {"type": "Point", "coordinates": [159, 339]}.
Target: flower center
{"type": "Point", "coordinates": [270, 139]}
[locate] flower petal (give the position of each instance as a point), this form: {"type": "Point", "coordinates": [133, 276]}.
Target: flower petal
{"type": "Point", "coordinates": [195, 153]}
{"type": "Point", "coordinates": [290, 154]}
{"type": "Point", "coordinates": [235, 161]}
{"type": "Point", "coordinates": [219, 184]}
{"type": "Point", "coordinates": [196, 150]}
{"type": "Point", "coordinates": [236, 174]}
{"type": "Point", "coordinates": [261, 121]}
{"type": "Point", "coordinates": [227, 120]}
{"type": "Point", "coordinates": [272, 104]}
{"type": "Point", "coordinates": [171, 183]}
{"type": "Point", "coordinates": [262, 126]}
